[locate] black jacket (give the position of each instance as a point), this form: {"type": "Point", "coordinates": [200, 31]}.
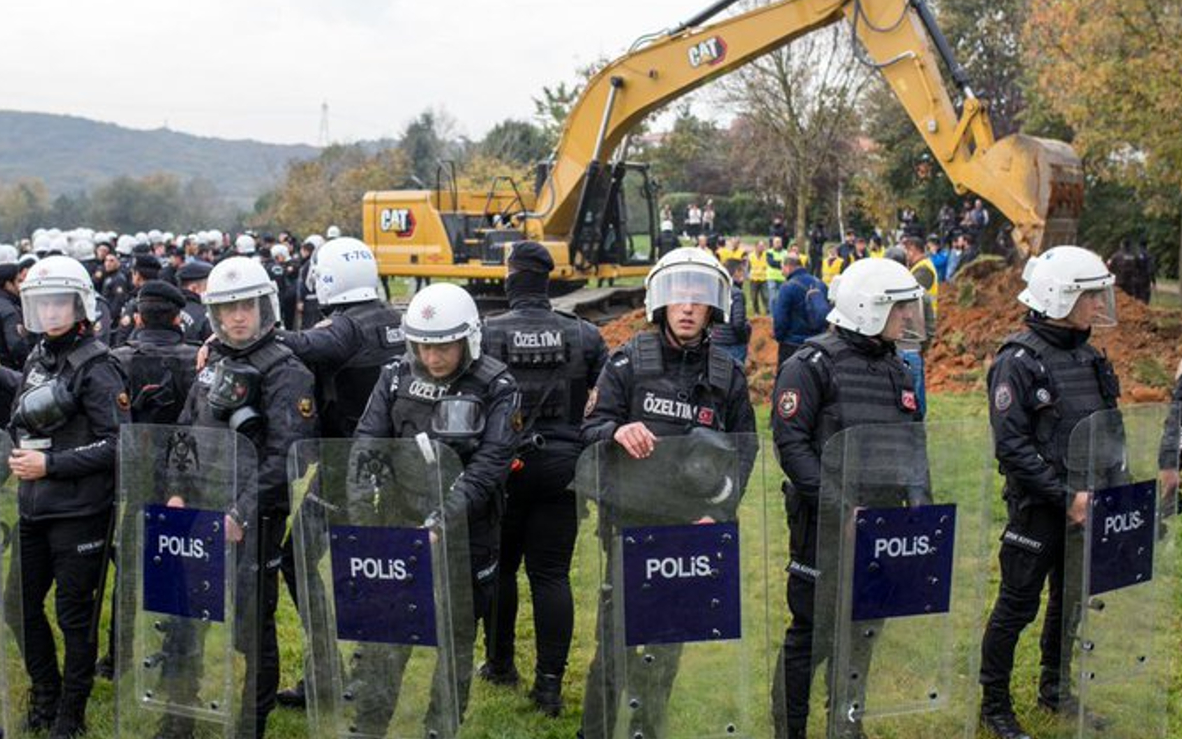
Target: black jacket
{"type": "Point", "coordinates": [14, 345]}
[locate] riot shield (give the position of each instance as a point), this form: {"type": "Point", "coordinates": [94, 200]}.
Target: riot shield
{"type": "Point", "coordinates": [901, 546]}
{"type": "Point", "coordinates": [674, 546]}
{"type": "Point", "coordinates": [187, 617]}
{"type": "Point", "coordinates": [1121, 580]}
{"type": "Point", "coordinates": [381, 550]}
{"type": "Point", "coordinates": [13, 679]}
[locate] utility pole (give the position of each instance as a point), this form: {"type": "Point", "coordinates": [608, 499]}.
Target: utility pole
{"type": "Point", "coordinates": [322, 140]}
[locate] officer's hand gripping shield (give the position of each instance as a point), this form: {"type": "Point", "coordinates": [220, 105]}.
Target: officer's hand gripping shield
{"type": "Point", "coordinates": [674, 547]}
{"type": "Point", "coordinates": [902, 551]}
{"type": "Point", "coordinates": [1121, 580]}
{"type": "Point", "coordinates": [14, 684]}
{"type": "Point", "coordinates": [385, 576]}
{"type": "Point", "coordinates": [187, 606]}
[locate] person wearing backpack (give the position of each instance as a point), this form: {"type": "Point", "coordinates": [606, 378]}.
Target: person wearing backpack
{"type": "Point", "coordinates": [799, 309]}
{"type": "Point", "coordinates": [732, 336]}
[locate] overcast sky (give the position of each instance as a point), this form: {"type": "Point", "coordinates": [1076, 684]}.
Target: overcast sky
{"type": "Point", "coordinates": [260, 69]}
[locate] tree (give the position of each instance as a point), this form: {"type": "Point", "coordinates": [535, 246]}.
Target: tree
{"type": "Point", "coordinates": [519, 142]}
{"type": "Point", "coordinates": [692, 156]}
{"type": "Point", "coordinates": [987, 40]}
{"type": "Point", "coordinates": [425, 143]}
{"type": "Point", "coordinates": [799, 101]}
{"type": "Point", "coordinates": [24, 206]}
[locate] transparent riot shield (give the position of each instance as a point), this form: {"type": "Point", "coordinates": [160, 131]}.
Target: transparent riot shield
{"type": "Point", "coordinates": [187, 616]}
{"type": "Point", "coordinates": [1121, 576]}
{"type": "Point", "coordinates": [901, 557]}
{"type": "Point", "coordinates": [674, 546]}
{"type": "Point", "coordinates": [13, 680]}
{"type": "Point", "coordinates": [382, 560]}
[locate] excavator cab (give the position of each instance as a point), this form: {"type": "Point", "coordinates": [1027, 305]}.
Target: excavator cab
{"type": "Point", "coordinates": [616, 220]}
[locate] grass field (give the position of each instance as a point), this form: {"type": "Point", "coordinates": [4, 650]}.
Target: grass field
{"type": "Point", "coordinates": [496, 713]}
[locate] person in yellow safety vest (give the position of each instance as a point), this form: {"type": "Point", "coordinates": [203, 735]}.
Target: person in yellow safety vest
{"type": "Point", "coordinates": [831, 266]}
{"type": "Point", "coordinates": [758, 280]}
{"type": "Point", "coordinates": [877, 249]}
{"type": "Point", "coordinates": [732, 249]}
{"type": "Point", "coordinates": [793, 248]}
{"type": "Point", "coordinates": [913, 353]}
{"type": "Point", "coordinates": [775, 270]}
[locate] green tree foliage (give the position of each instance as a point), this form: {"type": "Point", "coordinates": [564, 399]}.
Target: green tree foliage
{"type": "Point", "coordinates": [24, 206]}
{"type": "Point", "coordinates": [692, 157]}
{"type": "Point", "coordinates": [519, 142]}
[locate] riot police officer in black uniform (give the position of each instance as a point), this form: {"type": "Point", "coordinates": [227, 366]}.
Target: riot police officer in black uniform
{"type": "Point", "coordinates": [556, 359]}
{"type": "Point", "coordinates": [1044, 381]}
{"type": "Point", "coordinates": [276, 410]}
{"type": "Point", "coordinates": [192, 277]}
{"type": "Point", "coordinates": [346, 352]}
{"type": "Point", "coordinates": [687, 290]}
{"type": "Point", "coordinates": [65, 424]}
{"type": "Point", "coordinates": [145, 267]}
{"type": "Point", "coordinates": [14, 341]}
{"type": "Point", "coordinates": [307, 306]}
{"type": "Point", "coordinates": [850, 376]}
{"type": "Point", "coordinates": [444, 368]}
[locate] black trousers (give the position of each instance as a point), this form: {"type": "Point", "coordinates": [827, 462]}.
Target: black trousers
{"type": "Point", "coordinates": [1026, 566]}
{"type": "Point", "coordinates": [539, 527]}
{"type": "Point", "coordinates": [68, 553]}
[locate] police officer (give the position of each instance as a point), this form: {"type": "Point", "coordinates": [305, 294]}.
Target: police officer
{"type": "Point", "coordinates": [192, 277]}
{"type": "Point", "coordinates": [307, 306]}
{"type": "Point", "coordinates": [1045, 380]}
{"type": "Point", "coordinates": [346, 352]}
{"type": "Point", "coordinates": [849, 376]}
{"type": "Point", "coordinates": [145, 267]}
{"type": "Point", "coordinates": [443, 363]}
{"type": "Point", "coordinates": [276, 410]}
{"type": "Point", "coordinates": [556, 359]}
{"type": "Point", "coordinates": [14, 341]}
{"type": "Point", "coordinates": [686, 292]}
{"type": "Point", "coordinates": [160, 366]}
{"type": "Point", "coordinates": [66, 423]}
{"type": "Point", "coordinates": [115, 287]}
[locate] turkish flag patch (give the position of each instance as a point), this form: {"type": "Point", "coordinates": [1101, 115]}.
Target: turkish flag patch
{"type": "Point", "coordinates": [706, 416]}
{"type": "Point", "coordinates": [908, 400]}
{"type": "Point", "coordinates": [788, 404]}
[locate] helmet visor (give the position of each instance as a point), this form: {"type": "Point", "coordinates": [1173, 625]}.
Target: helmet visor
{"type": "Point", "coordinates": [1094, 308]}
{"type": "Point", "coordinates": [240, 323]}
{"type": "Point", "coordinates": [438, 361]}
{"type": "Point", "coordinates": [905, 322]}
{"type": "Point", "coordinates": [692, 286]}
{"type": "Point", "coordinates": [52, 312]}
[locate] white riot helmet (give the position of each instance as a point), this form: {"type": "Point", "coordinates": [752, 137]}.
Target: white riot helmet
{"type": "Point", "coordinates": [687, 275]}
{"type": "Point", "coordinates": [346, 272]}
{"type": "Point", "coordinates": [82, 248]}
{"type": "Point", "coordinates": [235, 286]}
{"type": "Point", "coordinates": [244, 245]}
{"type": "Point", "coordinates": [315, 241]}
{"type": "Point", "coordinates": [440, 314]}
{"type": "Point", "coordinates": [56, 294]}
{"type": "Point", "coordinates": [280, 253]}
{"type": "Point", "coordinates": [1057, 278]}
{"type": "Point", "coordinates": [141, 239]}
{"type": "Point", "coordinates": [9, 254]}
{"type": "Point", "coordinates": [155, 237]}
{"type": "Point", "coordinates": [214, 237]}
{"type": "Point", "coordinates": [125, 245]}
{"type": "Point", "coordinates": [333, 232]}
{"type": "Point", "coordinates": [878, 297]}
{"type": "Point", "coordinates": [42, 244]}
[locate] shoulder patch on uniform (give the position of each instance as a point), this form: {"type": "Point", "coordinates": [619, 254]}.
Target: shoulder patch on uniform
{"type": "Point", "coordinates": [592, 399]}
{"type": "Point", "coordinates": [1003, 397]}
{"type": "Point", "coordinates": [1042, 395]}
{"type": "Point", "coordinates": [306, 407]}
{"type": "Point", "coordinates": [123, 401]}
{"type": "Point", "coordinates": [788, 403]}
{"type": "Point", "coordinates": [908, 400]}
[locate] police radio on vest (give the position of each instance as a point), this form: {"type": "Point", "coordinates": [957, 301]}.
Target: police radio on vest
{"type": "Point", "coordinates": [902, 546]}
{"type": "Point", "coordinates": [179, 546]}
{"type": "Point", "coordinates": [670, 568]}
{"type": "Point", "coordinates": [376, 569]}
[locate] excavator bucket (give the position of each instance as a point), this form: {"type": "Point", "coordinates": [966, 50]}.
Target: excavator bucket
{"type": "Point", "coordinates": [1045, 178]}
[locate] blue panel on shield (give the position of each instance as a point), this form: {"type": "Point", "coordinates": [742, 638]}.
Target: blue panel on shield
{"type": "Point", "coordinates": [903, 561]}
{"type": "Point", "coordinates": [1124, 527]}
{"type": "Point", "coordinates": [382, 589]}
{"type": "Point", "coordinates": [184, 562]}
{"type": "Point", "coordinates": [681, 583]}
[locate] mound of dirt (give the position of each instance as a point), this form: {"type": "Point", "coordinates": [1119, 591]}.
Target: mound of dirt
{"type": "Point", "coordinates": [975, 316]}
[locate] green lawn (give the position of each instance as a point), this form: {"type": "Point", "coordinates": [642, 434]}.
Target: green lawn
{"type": "Point", "coordinates": [498, 712]}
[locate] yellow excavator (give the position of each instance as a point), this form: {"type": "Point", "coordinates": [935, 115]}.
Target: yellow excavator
{"type": "Point", "coordinates": [596, 212]}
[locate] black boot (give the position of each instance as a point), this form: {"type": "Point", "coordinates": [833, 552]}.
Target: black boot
{"type": "Point", "coordinates": [43, 702]}
{"type": "Point", "coordinates": [293, 697]}
{"type": "Point", "coordinates": [71, 718]}
{"type": "Point", "coordinates": [997, 716]}
{"type": "Point", "coordinates": [547, 693]}
{"type": "Point", "coordinates": [499, 674]}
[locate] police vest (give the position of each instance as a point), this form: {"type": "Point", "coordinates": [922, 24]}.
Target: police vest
{"type": "Point", "coordinates": [863, 389]}
{"type": "Point", "coordinates": [671, 405]}
{"type": "Point", "coordinates": [159, 378]}
{"type": "Point", "coordinates": [346, 393]}
{"type": "Point", "coordinates": [544, 352]}
{"type": "Point", "coordinates": [933, 292]}
{"type": "Point", "coordinates": [193, 322]}
{"type": "Point", "coordinates": [1069, 386]}
{"type": "Point", "coordinates": [264, 359]}
{"type": "Point", "coordinates": [77, 431]}
{"type": "Point", "coordinates": [414, 398]}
